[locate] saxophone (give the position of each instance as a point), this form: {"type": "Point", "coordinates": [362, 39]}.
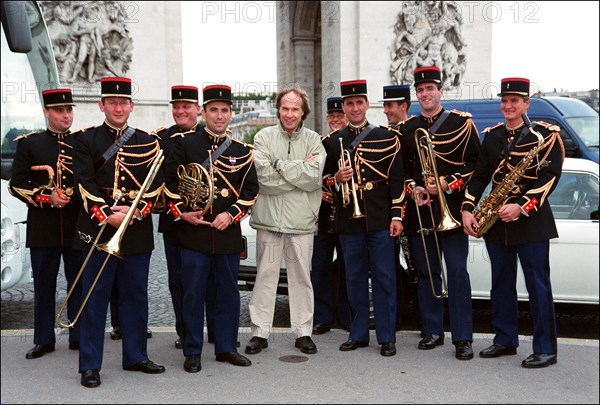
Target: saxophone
{"type": "Point", "coordinates": [486, 213]}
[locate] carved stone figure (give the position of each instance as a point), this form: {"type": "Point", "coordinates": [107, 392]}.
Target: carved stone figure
{"type": "Point", "coordinates": [90, 39]}
{"type": "Point", "coordinates": [428, 33]}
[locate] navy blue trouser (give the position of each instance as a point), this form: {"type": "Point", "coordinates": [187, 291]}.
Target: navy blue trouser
{"type": "Point", "coordinates": [454, 246]}
{"type": "Point", "coordinates": [330, 305]}
{"type": "Point", "coordinates": [196, 271]}
{"type": "Point", "coordinates": [372, 251]}
{"type": "Point", "coordinates": [535, 261]}
{"type": "Point", "coordinates": [132, 275]}
{"type": "Point", "coordinates": [173, 256]}
{"type": "Point", "coordinates": [45, 263]}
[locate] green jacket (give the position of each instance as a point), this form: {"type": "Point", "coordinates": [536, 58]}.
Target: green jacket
{"type": "Point", "coordinates": [289, 193]}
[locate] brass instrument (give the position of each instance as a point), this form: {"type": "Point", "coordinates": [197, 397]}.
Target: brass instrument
{"type": "Point", "coordinates": [486, 213]}
{"type": "Point", "coordinates": [112, 247]}
{"type": "Point", "coordinates": [423, 231]}
{"type": "Point", "coordinates": [348, 189]}
{"type": "Point", "coordinates": [429, 169]}
{"type": "Point", "coordinates": [196, 186]}
{"type": "Point", "coordinates": [446, 221]}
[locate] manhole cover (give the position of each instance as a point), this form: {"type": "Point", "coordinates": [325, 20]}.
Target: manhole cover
{"type": "Point", "coordinates": [293, 358]}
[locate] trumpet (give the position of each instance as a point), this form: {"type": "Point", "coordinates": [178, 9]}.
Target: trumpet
{"type": "Point", "coordinates": [348, 189]}
{"type": "Point", "coordinates": [112, 247]}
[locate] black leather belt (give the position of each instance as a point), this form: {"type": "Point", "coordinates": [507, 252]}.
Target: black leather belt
{"type": "Point", "coordinates": [370, 185]}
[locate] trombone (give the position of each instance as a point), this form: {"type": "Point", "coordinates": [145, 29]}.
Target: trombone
{"type": "Point", "coordinates": [112, 247]}
{"type": "Point", "coordinates": [346, 192]}
{"type": "Point", "coordinates": [446, 221]}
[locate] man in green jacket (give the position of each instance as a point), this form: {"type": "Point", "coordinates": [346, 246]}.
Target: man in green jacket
{"type": "Point", "coordinates": [289, 161]}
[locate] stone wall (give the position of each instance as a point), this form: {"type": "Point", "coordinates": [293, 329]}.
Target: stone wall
{"type": "Point", "coordinates": [139, 40]}
{"type": "Point", "coordinates": [382, 42]}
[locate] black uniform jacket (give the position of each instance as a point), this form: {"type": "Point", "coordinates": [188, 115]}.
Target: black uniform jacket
{"type": "Point", "coordinates": [117, 181]}
{"type": "Point", "coordinates": [40, 155]}
{"type": "Point", "coordinates": [235, 189]}
{"type": "Point", "coordinates": [532, 190]}
{"type": "Point", "coordinates": [378, 178]}
{"type": "Point", "coordinates": [166, 138]}
{"type": "Point", "coordinates": [456, 147]}
{"type": "Point", "coordinates": [326, 221]}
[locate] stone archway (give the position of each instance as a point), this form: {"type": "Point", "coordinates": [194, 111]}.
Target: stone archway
{"type": "Point", "coordinates": [299, 53]}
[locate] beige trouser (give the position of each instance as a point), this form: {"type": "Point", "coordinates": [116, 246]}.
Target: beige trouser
{"type": "Point", "coordinates": [297, 253]}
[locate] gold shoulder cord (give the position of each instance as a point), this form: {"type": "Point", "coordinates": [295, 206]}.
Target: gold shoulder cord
{"type": "Point", "coordinates": [457, 135]}
{"type": "Point", "coordinates": [121, 165]}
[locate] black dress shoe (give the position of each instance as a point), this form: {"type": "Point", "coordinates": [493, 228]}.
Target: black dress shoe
{"type": "Point", "coordinates": [496, 350]}
{"type": "Point", "coordinates": [256, 344]}
{"type": "Point", "coordinates": [431, 341]}
{"type": "Point", "coordinates": [388, 349]}
{"type": "Point", "coordinates": [352, 345]}
{"type": "Point", "coordinates": [146, 366]}
{"type": "Point", "coordinates": [39, 351]}
{"type": "Point", "coordinates": [148, 333]}
{"type": "Point", "coordinates": [464, 350]}
{"type": "Point", "coordinates": [539, 360]}
{"type": "Point", "coordinates": [306, 345]}
{"type": "Point", "coordinates": [234, 358]}
{"type": "Point", "coordinates": [90, 378]}
{"type": "Point", "coordinates": [179, 343]}
{"type": "Point", "coordinates": [116, 333]}
{"type": "Point", "coordinates": [321, 328]}
{"type": "Point", "coordinates": [74, 345]}
{"type": "Point", "coordinates": [192, 363]}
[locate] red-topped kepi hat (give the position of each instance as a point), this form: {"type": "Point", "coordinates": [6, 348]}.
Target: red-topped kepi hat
{"type": "Point", "coordinates": [115, 87]}
{"type": "Point", "coordinates": [57, 98]}
{"type": "Point", "coordinates": [217, 92]}
{"type": "Point", "coordinates": [426, 74]}
{"type": "Point", "coordinates": [354, 88]}
{"type": "Point", "coordinates": [514, 85]}
{"type": "Point", "coordinates": [184, 93]}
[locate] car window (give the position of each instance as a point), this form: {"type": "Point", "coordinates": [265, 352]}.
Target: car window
{"type": "Point", "coordinates": [575, 196]}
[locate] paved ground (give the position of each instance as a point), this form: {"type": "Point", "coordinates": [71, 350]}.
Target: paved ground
{"type": "Point", "coordinates": [412, 376]}
{"type": "Point", "coordinates": [330, 376]}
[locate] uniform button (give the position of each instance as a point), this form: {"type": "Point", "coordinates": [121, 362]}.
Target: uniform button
{"type": "Point", "coordinates": [362, 170]}
{"type": "Point", "coordinates": [122, 159]}
{"type": "Point", "coordinates": [62, 151]}
{"type": "Point", "coordinates": [121, 149]}
{"type": "Point", "coordinates": [123, 189]}
{"type": "Point", "coordinates": [64, 177]}
{"type": "Point", "coordinates": [123, 178]}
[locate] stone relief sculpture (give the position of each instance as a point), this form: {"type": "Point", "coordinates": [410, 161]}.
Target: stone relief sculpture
{"type": "Point", "coordinates": [90, 39]}
{"type": "Point", "coordinates": [428, 33]}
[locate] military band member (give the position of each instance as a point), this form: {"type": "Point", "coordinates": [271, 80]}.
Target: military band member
{"type": "Point", "coordinates": [327, 275]}
{"type": "Point", "coordinates": [396, 102]}
{"type": "Point", "coordinates": [211, 241]}
{"type": "Point", "coordinates": [111, 162]}
{"type": "Point", "coordinates": [185, 109]}
{"type": "Point", "coordinates": [525, 225]}
{"type": "Point", "coordinates": [42, 177]}
{"type": "Point", "coordinates": [368, 215]}
{"type": "Point", "coordinates": [455, 146]}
